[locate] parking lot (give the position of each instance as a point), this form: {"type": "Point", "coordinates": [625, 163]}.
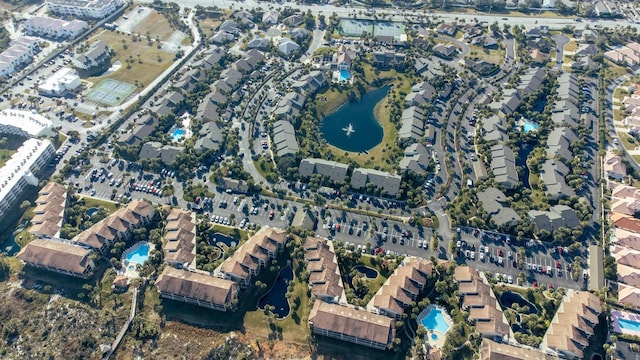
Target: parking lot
{"type": "Point", "coordinates": [542, 263]}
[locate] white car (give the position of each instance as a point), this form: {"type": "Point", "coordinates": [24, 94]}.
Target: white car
{"type": "Point", "coordinates": [510, 279]}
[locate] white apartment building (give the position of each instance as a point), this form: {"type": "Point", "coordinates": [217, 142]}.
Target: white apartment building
{"type": "Point", "coordinates": [93, 9]}
{"type": "Point", "coordinates": [54, 28]}
{"type": "Point", "coordinates": [19, 171]}
{"type": "Point", "coordinates": [25, 123]}
{"type": "Point", "coordinates": [19, 53]}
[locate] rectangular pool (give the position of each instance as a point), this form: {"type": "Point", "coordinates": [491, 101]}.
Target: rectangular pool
{"type": "Point", "coordinates": [629, 324]}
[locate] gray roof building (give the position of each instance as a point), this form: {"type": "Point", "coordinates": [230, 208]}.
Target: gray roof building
{"type": "Point", "coordinates": [416, 159]}
{"type": "Point", "coordinates": [558, 216]}
{"type": "Point", "coordinates": [565, 113]}
{"type": "Point", "coordinates": [559, 143]}
{"type": "Point", "coordinates": [287, 46]}
{"type": "Point", "coordinates": [412, 124]}
{"type": "Point", "coordinates": [166, 153]}
{"type": "Point", "coordinates": [388, 182]}
{"type": "Point", "coordinates": [211, 137]}
{"type": "Point", "coordinates": [311, 82]}
{"type": "Point", "coordinates": [531, 81]}
{"type": "Point", "coordinates": [284, 138]}
{"type": "Point", "coordinates": [207, 110]}
{"type": "Point", "coordinates": [492, 129]}
{"type": "Point", "coordinates": [336, 171]}
{"type": "Point", "coordinates": [503, 166]}
{"type": "Point", "coordinates": [495, 203]}
{"type": "Point", "coordinates": [258, 43]}
{"type": "Point", "coordinates": [552, 174]}
{"type": "Point", "coordinates": [289, 105]}
{"type": "Point", "coordinates": [387, 59]}
{"type": "Point", "coordinates": [145, 125]}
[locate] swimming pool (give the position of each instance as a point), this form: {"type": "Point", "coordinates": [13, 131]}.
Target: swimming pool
{"type": "Point", "coordinates": [178, 134]}
{"type": "Point", "coordinates": [138, 254]}
{"type": "Point", "coordinates": [629, 324]}
{"type": "Point", "coordinates": [528, 126]}
{"type": "Point", "coordinates": [344, 75]}
{"type": "Point", "coordinates": [435, 321]}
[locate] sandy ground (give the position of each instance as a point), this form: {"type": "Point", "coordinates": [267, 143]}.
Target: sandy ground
{"type": "Point", "coordinates": [135, 17]}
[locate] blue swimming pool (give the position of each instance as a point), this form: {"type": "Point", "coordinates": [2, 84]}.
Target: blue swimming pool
{"type": "Point", "coordinates": [435, 321]}
{"type": "Point", "coordinates": [528, 126]}
{"type": "Point", "coordinates": [178, 134]}
{"type": "Point", "coordinates": [344, 75]}
{"type": "Point", "coordinates": [138, 254]}
{"type": "Point", "coordinates": [629, 324]}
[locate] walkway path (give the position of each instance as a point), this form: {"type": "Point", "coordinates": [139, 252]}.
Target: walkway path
{"type": "Point", "coordinates": [125, 327]}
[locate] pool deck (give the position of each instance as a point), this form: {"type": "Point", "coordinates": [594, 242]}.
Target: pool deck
{"type": "Point", "coordinates": [131, 273]}
{"type": "Point", "coordinates": [617, 315]}
{"type": "Point", "coordinates": [439, 342]}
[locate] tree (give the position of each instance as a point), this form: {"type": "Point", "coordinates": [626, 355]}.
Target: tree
{"type": "Point", "coordinates": [25, 205]}
{"type": "Point", "coordinates": [5, 270]}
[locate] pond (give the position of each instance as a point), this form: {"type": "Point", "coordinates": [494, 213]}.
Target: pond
{"type": "Point", "coordinates": [508, 298]}
{"type": "Point", "coordinates": [353, 127]}
{"type": "Point", "coordinates": [521, 161]}
{"type": "Point", "coordinates": [92, 210]}
{"type": "Point", "coordinates": [368, 272]}
{"type": "Point", "coordinates": [10, 247]}
{"type": "Point", "coordinates": [217, 238]}
{"type": "Point", "coordinates": [276, 296]}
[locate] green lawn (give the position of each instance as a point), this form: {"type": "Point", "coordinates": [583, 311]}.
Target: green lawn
{"type": "Point", "coordinates": [191, 192]}
{"type": "Point", "coordinates": [618, 94]}
{"type": "Point", "coordinates": [494, 56]}
{"type": "Point", "coordinates": [614, 71]}
{"type": "Point", "coordinates": [93, 202]}
{"type": "Point", "coordinates": [627, 141]}
{"type": "Point", "coordinates": [330, 100]}
{"type": "Point", "coordinates": [267, 169]}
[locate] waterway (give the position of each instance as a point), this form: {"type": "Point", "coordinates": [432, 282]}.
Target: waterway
{"type": "Point", "coordinates": [277, 295]}
{"type": "Point", "coordinates": [367, 131]}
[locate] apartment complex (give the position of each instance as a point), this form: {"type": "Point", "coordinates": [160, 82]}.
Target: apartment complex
{"type": "Point", "coordinates": [197, 288]}
{"type": "Point", "coordinates": [401, 288]}
{"type": "Point", "coordinates": [61, 256]}
{"type": "Point", "coordinates": [19, 54]}
{"type": "Point", "coordinates": [348, 323]}
{"type": "Point", "coordinates": [180, 239]}
{"type": "Point", "coordinates": [573, 324]}
{"type": "Point", "coordinates": [325, 280]}
{"type": "Point", "coordinates": [91, 9]}
{"type": "Point", "coordinates": [54, 28]}
{"type": "Point", "coordinates": [49, 211]}
{"type": "Point", "coordinates": [247, 261]}
{"type": "Point", "coordinates": [117, 226]}
{"type": "Point", "coordinates": [491, 350]}
{"type": "Point", "coordinates": [95, 60]}
{"type": "Point", "coordinates": [18, 172]}
{"type": "Point", "coordinates": [25, 124]}
{"type": "Point", "coordinates": [480, 301]}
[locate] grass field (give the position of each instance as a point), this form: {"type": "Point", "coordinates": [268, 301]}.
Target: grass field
{"type": "Point", "coordinates": [156, 25]}
{"type": "Point", "coordinates": [571, 46]}
{"type": "Point", "coordinates": [494, 56]}
{"type": "Point", "coordinates": [93, 202]}
{"type": "Point", "coordinates": [627, 141]}
{"type": "Point", "coordinates": [209, 25]}
{"type": "Point", "coordinates": [146, 62]}
{"type": "Point", "coordinates": [614, 71]}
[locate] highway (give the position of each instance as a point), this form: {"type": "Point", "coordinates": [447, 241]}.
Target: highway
{"type": "Point", "coordinates": [400, 15]}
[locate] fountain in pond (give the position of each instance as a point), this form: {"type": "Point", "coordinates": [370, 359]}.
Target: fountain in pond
{"type": "Point", "coordinates": [349, 130]}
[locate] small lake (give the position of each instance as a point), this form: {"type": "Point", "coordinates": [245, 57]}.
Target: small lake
{"type": "Point", "coordinates": [521, 161]}
{"type": "Point", "coordinates": [368, 272]}
{"type": "Point", "coordinates": [276, 296]}
{"type": "Point", "coordinates": [508, 298]}
{"type": "Point", "coordinates": [353, 127]}
{"type": "Point", "coordinates": [9, 246]}
{"type": "Point", "coordinates": [227, 240]}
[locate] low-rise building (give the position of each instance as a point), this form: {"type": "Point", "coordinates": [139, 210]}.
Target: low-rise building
{"type": "Point", "coordinates": [49, 211]}
{"type": "Point", "coordinates": [88, 9]}
{"type": "Point", "coordinates": [491, 350]}
{"type": "Point", "coordinates": [254, 254]}
{"type": "Point", "coordinates": [556, 217]}
{"type": "Point", "coordinates": [416, 159]}
{"type": "Point", "coordinates": [325, 280]}
{"type": "Point", "coordinates": [388, 182]}
{"type": "Point", "coordinates": [117, 226]}
{"type": "Point", "coordinates": [58, 256]}
{"type": "Point", "coordinates": [412, 128]}
{"type": "Point", "coordinates": [353, 325]}
{"type": "Point", "coordinates": [197, 288]}
{"type": "Point", "coordinates": [552, 174]}
{"type": "Point", "coordinates": [613, 166]}
{"type": "Point", "coordinates": [154, 150]}
{"type": "Point", "coordinates": [143, 127]}
{"type": "Point", "coordinates": [54, 28]}
{"type": "Point", "coordinates": [180, 239]}
{"type": "Point", "coordinates": [503, 166]}
{"type": "Point", "coordinates": [95, 60]}
{"type": "Point", "coordinates": [61, 83]}
{"type": "Point", "coordinates": [335, 171]}
{"type": "Point", "coordinates": [495, 203]}
{"type": "Point", "coordinates": [284, 139]}
{"type": "Point", "coordinates": [573, 324]}
{"type": "Point", "coordinates": [402, 288]}
{"type": "Point", "coordinates": [388, 59]}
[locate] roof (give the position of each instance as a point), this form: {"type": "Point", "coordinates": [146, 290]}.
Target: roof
{"type": "Point", "coordinates": [626, 222]}
{"type": "Point", "coordinates": [336, 171]}
{"type": "Point", "coordinates": [247, 255]}
{"type": "Point", "coordinates": [56, 254]}
{"type": "Point", "coordinates": [284, 138]}
{"type": "Point", "coordinates": [33, 125]}
{"type": "Point", "coordinates": [495, 203]}
{"type": "Point", "coordinates": [352, 322]}
{"type": "Point", "coordinates": [387, 181]}
{"type": "Point", "coordinates": [576, 317]}
{"type": "Point", "coordinates": [613, 165]}
{"type": "Point", "coordinates": [596, 268]}
{"type": "Point", "coordinates": [491, 350]}
{"type": "Point", "coordinates": [198, 286]}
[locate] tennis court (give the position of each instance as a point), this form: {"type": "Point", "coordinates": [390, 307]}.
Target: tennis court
{"type": "Point", "coordinates": [110, 92]}
{"type": "Point", "coordinates": [354, 28]}
{"type": "Point", "coordinates": [388, 28]}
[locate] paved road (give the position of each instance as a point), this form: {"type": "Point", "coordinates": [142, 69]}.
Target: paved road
{"type": "Point", "coordinates": [560, 40]}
